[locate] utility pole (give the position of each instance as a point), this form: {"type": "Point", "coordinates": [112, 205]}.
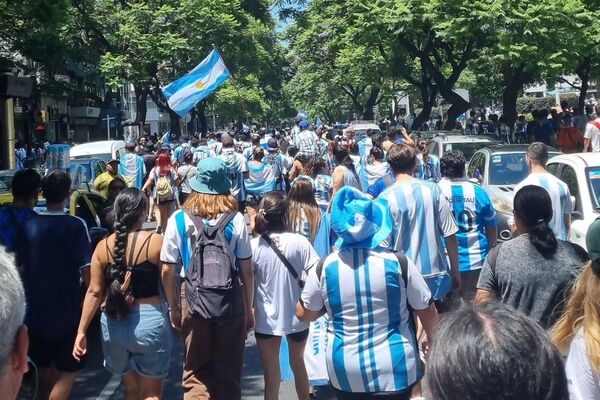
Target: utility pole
{"type": "Point", "coordinates": [108, 119]}
{"type": "Point", "coordinates": [214, 118]}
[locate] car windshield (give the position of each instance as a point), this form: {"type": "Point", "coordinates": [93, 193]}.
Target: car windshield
{"type": "Point", "coordinates": [593, 178]}
{"type": "Point", "coordinates": [468, 148]}
{"type": "Point", "coordinates": [507, 169]}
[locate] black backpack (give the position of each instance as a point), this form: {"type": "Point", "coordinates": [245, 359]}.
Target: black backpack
{"type": "Point", "coordinates": [211, 280]}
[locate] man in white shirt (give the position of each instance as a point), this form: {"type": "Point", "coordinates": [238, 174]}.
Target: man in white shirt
{"type": "Point", "coordinates": [537, 157]}
{"type": "Point", "coordinates": [592, 134]}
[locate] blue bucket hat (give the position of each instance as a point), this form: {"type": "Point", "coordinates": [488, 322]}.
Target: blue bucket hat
{"type": "Point", "coordinates": [358, 221]}
{"type": "Point", "coordinates": [211, 177]}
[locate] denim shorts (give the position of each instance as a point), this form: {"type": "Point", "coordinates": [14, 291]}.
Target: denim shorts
{"type": "Point", "coordinates": [142, 341]}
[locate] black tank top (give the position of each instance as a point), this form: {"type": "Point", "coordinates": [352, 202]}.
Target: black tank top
{"type": "Point", "coordinates": [144, 275]}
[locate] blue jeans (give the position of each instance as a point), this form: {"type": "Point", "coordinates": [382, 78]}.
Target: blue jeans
{"type": "Point", "coordinates": [142, 341]}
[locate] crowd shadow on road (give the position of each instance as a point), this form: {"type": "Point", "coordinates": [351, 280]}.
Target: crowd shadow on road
{"type": "Point", "coordinates": [94, 382]}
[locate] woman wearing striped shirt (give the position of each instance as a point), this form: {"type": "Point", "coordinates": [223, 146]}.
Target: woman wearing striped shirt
{"type": "Point", "coordinates": [318, 171]}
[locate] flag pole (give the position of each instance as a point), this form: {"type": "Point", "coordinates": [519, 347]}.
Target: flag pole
{"type": "Point", "coordinates": [237, 89]}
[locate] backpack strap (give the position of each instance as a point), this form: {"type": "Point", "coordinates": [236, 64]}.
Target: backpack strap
{"type": "Point", "coordinates": [403, 261]}
{"type": "Point", "coordinates": [580, 251]}
{"type": "Point", "coordinates": [319, 267]}
{"type": "Point", "coordinates": [221, 224]}
{"type": "Point", "coordinates": [492, 256]}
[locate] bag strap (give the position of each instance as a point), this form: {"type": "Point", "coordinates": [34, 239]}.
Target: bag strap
{"type": "Point", "coordinates": [284, 260]}
{"type": "Point", "coordinates": [595, 123]}
{"type": "Point", "coordinates": [146, 245]}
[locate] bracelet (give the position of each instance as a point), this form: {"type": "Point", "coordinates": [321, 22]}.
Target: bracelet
{"type": "Point", "coordinates": [177, 307]}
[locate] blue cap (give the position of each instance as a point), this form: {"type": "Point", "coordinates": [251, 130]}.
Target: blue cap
{"type": "Point", "coordinates": [358, 221]}
{"type": "Point", "coordinates": [211, 177]}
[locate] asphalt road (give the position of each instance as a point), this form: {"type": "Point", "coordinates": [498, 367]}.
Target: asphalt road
{"type": "Point", "coordinates": [95, 383]}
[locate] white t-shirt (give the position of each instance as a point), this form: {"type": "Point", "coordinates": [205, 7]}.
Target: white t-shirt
{"type": "Point", "coordinates": [276, 290]}
{"type": "Point", "coordinates": [593, 133]}
{"type": "Point", "coordinates": [583, 381]}
{"type": "Point", "coordinates": [559, 195]}
{"type": "Point", "coordinates": [177, 242]}
{"type": "Point", "coordinates": [185, 173]}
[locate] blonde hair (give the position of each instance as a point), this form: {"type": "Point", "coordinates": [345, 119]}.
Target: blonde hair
{"type": "Point", "coordinates": [209, 206]}
{"type": "Point", "coordinates": [302, 205]}
{"type": "Point", "coordinates": [581, 312]}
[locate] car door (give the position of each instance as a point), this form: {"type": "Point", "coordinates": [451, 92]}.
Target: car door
{"type": "Point", "coordinates": [568, 175]}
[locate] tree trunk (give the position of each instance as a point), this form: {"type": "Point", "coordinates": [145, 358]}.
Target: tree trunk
{"type": "Point", "coordinates": [428, 103]}
{"type": "Point", "coordinates": [175, 123]}
{"type": "Point", "coordinates": [201, 108]}
{"type": "Point", "coordinates": [371, 102]}
{"type": "Point", "coordinates": [458, 106]}
{"type": "Point", "coordinates": [512, 86]}
{"type": "Point", "coordinates": [428, 97]}
{"type": "Point", "coordinates": [141, 96]}
{"type": "Point", "coordinates": [583, 71]}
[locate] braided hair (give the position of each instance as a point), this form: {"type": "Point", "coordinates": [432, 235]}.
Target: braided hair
{"type": "Point", "coordinates": [130, 206]}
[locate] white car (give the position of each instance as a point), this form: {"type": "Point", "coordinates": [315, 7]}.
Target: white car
{"type": "Point", "coordinates": [467, 144]}
{"type": "Point", "coordinates": [581, 173]}
{"type": "Point", "coordinates": [104, 150]}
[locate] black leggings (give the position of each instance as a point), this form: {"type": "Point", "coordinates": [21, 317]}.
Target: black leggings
{"type": "Point", "coordinates": [292, 337]}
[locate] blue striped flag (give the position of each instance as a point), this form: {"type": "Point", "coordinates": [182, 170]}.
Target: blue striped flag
{"type": "Point", "coordinates": [184, 93]}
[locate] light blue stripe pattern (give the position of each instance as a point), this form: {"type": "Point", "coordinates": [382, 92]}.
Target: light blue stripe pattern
{"type": "Point", "coordinates": [371, 322]}
{"type": "Point", "coordinates": [332, 279]}
{"type": "Point", "coordinates": [394, 284]}
{"type": "Point", "coordinates": [421, 217]}
{"type": "Point", "coordinates": [187, 91]}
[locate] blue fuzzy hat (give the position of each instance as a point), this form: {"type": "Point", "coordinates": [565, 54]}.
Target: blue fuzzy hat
{"type": "Point", "coordinates": [358, 221]}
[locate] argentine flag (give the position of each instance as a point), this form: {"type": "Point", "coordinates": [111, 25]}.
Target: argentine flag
{"type": "Point", "coordinates": [184, 93]}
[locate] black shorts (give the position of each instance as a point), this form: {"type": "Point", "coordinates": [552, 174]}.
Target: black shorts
{"type": "Point", "coordinates": [292, 337]}
{"type": "Point", "coordinates": [45, 351]}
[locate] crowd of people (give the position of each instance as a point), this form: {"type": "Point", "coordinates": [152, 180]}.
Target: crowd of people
{"type": "Point", "coordinates": [285, 233]}
{"type": "Point", "coordinates": [564, 127]}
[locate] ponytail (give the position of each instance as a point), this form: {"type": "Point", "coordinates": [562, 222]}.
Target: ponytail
{"type": "Point", "coordinates": [271, 215]}
{"type": "Point", "coordinates": [544, 240]}
{"type": "Point", "coordinates": [533, 207]}
{"type": "Point", "coordinates": [116, 305]}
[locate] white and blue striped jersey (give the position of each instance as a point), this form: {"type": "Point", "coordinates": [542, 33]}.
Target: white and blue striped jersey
{"type": "Point", "coordinates": [473, 212]}
{"type": "Point", "coordinates": [421, 217]}
{"type": "Point", "coordinates": [237, 166]}
{"type": "Point", "coordinates": [560, 196]}
{"type": "Point", "coordinates": [430, 170]}
{"type": "Point", "coordinates": [371, 342]}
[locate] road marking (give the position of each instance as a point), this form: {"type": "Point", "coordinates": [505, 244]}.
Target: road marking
{"type": "Point", "coordinates": [110, 387]}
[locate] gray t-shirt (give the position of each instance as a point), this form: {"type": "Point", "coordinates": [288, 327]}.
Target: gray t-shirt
{"type": "Point", "coordinates": [525, 280]}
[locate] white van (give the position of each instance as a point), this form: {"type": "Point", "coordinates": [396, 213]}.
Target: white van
{"type": "Point", "coordinates": [104, 150]}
